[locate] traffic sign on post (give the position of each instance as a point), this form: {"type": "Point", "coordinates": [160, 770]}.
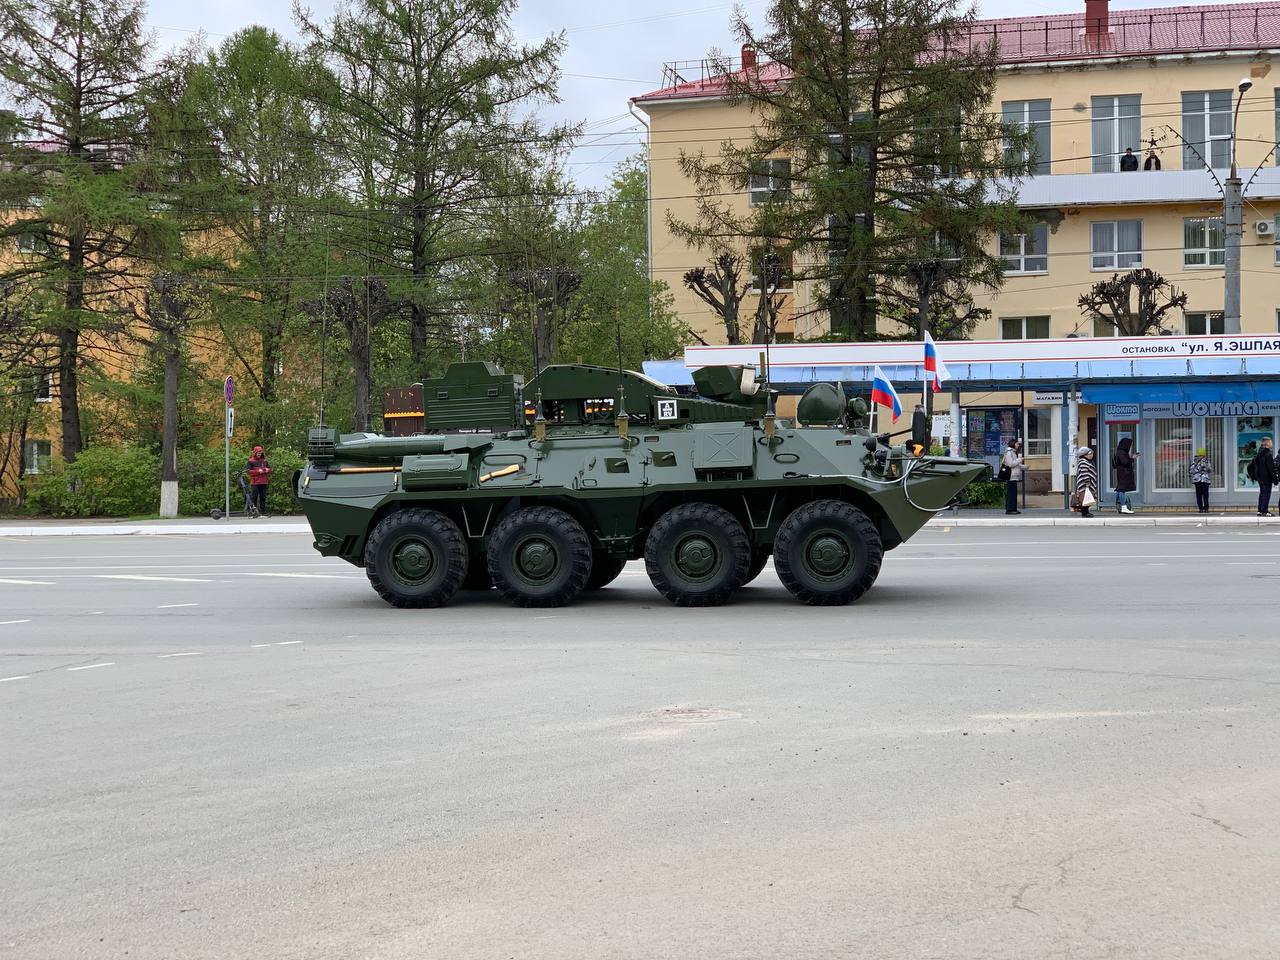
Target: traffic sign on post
{"type": "Point", "coordinates": [231, 421]}
{"type": "Point", "coordinates": [229, 389]}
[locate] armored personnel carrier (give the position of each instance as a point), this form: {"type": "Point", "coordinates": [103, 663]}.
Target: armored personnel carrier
{"type": "Point", "coordinates": [546, 490]}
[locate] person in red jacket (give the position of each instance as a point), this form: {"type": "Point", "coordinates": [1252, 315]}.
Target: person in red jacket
{"type": "Point", "coordinates": [259, 470]}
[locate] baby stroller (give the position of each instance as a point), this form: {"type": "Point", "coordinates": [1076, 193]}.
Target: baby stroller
{"type": "Point", "coordinates": [250, 508]}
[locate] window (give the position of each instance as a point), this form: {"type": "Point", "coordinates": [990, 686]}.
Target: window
{"type": "Point", "coordinates": [778, 261]}
{"type": "Point", "coordinates": [1204, 323]}
{"type": "Point", "coordinates": [1203, 242]}
{"type": "Point", "coordinates": [1275, 236]}
{"type": "Point", "coordinates": [1039, 431]}
{"type": "Point", "coordinates": [1117, 244]}
{"type": "Point", "coordinates": [37, 456]}
{"type": "Point", "coordinates": [1276, 155]}
{"type": "Point", "coordinates": [1117, 123]}
{"type": "Point", "coordinates": [1032, 115]}
{"type": "Point", "coordinates": [1026, 252]}
{"type": "Point", "coordinates": [44, 387]}
{"type": "Point", "coordinates": [1024, 328]}
{"type": "Point", "coordinates": [1103, 327]}
{"type": "Point", "coordinates": [771, 182]}
{"type": "Point", "coordinates": [29, 243]}
{"type": "Point", "coordinates": [1172, 463]}
{"type": "Point", "coordinates": [1206, 129]}
{"type": "Point", "coordinates": [1249, 434]}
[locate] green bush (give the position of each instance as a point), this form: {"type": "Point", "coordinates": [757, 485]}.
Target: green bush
{"type": "Point", "coordinates": [200, 479]}
{"type": "Point", "coordinates": [984, 493]}
{"type": "Point", "coordinates": [103, 482]}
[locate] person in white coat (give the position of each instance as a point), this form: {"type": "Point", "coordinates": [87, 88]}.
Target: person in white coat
{"type": "Point", "coordinates": [1012, 466]}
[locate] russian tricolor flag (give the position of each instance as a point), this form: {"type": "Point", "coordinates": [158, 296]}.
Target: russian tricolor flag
{"type": "Point", "coordinates": [882, 392]}
{"type": "Point", "coordinates": [933, 363]}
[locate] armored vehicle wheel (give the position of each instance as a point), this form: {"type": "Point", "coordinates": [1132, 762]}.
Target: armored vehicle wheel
{"type": "Point", "coordinates": [539, 557]}
{"type": "Point", "coordinates": [416, 558]}
{"type": "Point", "coordinates": [827, 553]}
{"type": "Point", "coordinates": [697, 555]}
{"type": "Point", "coordinates": [758, 560]}
{"type": "Point", "coordinates": [477, 577]}
{"type": "Point", "coordinates": [604, 570]}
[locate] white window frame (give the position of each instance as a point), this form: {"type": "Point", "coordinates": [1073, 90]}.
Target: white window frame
{"type": "Point", "coordinates": [1206, 115]}
{"type": "Point", "coordinates": [1209, 319]}
{"type": "Point", "coordinates": [1206, 252]}
{"type": "Point", "coordinates": [1038, 446]}
{"type": "Point", "coordinates": [28, 244]}
{"type": "Point", "coordinates": [1022, 321]}
{"type": "Point", "coordinates": [787, 266]}
{"type": "Point", "coordinates": [1019, 112]}
{"type": "Point", "coordinates": [1016, 264]}
{"type": "Point", "coordinates": [32, 457]}
{"type": "Point", "coordinates": [1109, 260]}
{"type": "Point", "coordinates": [773, 183]}
{"type": "Point", "coordinates": [44, 388]}
{"type": "Point", "coordinates": [1111, 163]}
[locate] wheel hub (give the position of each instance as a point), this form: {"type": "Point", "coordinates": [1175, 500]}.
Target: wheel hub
{"type": "Point", "coordinates": [696, 556]}
{"type": "Point", "coordinates": [413, 561]}
{"type": "Point", "coordinates": [536, 559]}
{"type": "Point", "coordinates": [828, 555]}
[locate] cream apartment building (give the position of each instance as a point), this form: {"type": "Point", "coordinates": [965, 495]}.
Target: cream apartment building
{"type": "Point", "coordinates": [1089, 84]}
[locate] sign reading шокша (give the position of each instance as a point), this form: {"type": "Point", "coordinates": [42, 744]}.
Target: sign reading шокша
{"type": "Point", "coordinates": [989, 351]}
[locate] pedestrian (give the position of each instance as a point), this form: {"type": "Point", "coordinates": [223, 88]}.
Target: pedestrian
{"type": "Point", "coordinates": [1086, 480]}
{"type": "Point", "coordinates": [1126, 464]}
{"type": "Point", "coordinates": [1264, 471]}
{"type": "Point", "coordinates": [1128, 162]}
{"type": "Point", "coordinates": [1011, 467]}
{"type": "Point", "coordinates": [259, 469]}
{"type": "Point", "coordinates": [1201, 477]}
{"type": "Point", "coordinates": [1152, 162]}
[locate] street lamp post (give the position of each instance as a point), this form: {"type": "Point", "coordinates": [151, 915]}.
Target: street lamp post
{"type": "Point", "coordinates": [1232, 220]}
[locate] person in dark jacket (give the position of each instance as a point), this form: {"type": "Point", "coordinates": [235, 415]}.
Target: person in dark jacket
{"type": "Point", "coordinates": [259, 469]}
{"type": "Point", "coordinates": [1152, 162]}
{"type": "Point", "coordinates": [1128, 161]}
{"type": "Point", "coordinates": [1264, 465]}
{"type": "Point", "coordinates": [1126, 464]}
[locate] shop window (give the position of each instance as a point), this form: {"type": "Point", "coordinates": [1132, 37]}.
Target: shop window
{"type": "Point", "coordinates": [1201, 324]}
{"type": "Point", "coordinates": [1249, 434]}
{"type": "Point", "coordinates": [1203, 242]}
{"type": "Point", "coordinates": [1026, 252]}
{"type": "Point", "coordinates": [38, 454]}
{"type": "Point", "coordinates": [1032, 115]}
{"type": "Point", "coordinates": [1206, 129]}
{"type": "Point", "coordinates": [1117, 124]}
{"type": "Point", "coordinates": [1024, 328]}
{"type": "Point", "coordinates": [1116, 244]}
{"type": "Point", "coordinates": [1039, 432]}
{"type": "Point", "coordinates": [1172, 463]}
{"type": "Point", "coordinates": [1214, 437]}
{"type": "Point", "coordinates": [772, 182]}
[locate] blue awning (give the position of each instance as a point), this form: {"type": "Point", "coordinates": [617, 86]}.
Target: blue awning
{"type": "Point", "coordinates": [1184, 392]}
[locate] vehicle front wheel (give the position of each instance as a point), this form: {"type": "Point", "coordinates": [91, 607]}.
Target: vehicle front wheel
{"type": "Point", "coordinates": [827, 553]}
{"type": "Point", "coordinates": [697, 555]}
{"type": "Point", "coordinates": [416, 558]}
{"type": "Point", "coordinates": [539, 557]}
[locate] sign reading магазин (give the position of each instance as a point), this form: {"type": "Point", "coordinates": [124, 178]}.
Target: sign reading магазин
{"type": "Point", "coordinates": [1133, 412]}
{"type": "Point", "coordinates": [987, 351]}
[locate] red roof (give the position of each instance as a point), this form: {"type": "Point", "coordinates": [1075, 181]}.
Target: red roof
{"type": "Point", "coordinates": [1130, 33]}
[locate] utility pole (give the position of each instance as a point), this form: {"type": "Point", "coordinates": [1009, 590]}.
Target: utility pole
{"type": "Point", "coordinates": [1232, 217]}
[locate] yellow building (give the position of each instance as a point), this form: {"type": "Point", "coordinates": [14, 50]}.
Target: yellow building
{"type": "Point", "coordinates": [1089, 85]}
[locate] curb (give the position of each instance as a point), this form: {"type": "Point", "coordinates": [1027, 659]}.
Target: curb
{"type": "Point", "coordinates": [1103, 521]}
{"type": "Point", "coordinates": [157, 529]}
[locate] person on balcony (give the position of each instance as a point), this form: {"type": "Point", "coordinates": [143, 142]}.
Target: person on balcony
{"type": "Point", "coordinates": [1152, 162]}
{"type": "Point", "coordinates": [1128, 161]}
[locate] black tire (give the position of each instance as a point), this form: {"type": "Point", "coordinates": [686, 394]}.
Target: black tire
{"type": "Point", "coordinates": [697, 555]}
{"type": "Point", "coordinates": [477, 577]}
{"type": "Point", "coordinates": [827, 553]}
{"type": "Point", "coordinates": [758, 560]}
{"type": "Point", "coordinates": [539, 557]}
{"type": "Point", "coordinates": [604, 570]}
{"type": "Point", "coordinates": [416, 558]}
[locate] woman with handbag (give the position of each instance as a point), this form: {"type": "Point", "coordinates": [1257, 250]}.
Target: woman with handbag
{"type": "Point", "coordinates": [1086, 480]}
{"type": "Point", "coordinates": [1126, 466]}
{"type": "Point", "coordinates": [1011, 465]}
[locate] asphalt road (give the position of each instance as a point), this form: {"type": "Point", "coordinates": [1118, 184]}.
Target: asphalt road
{"type": "Point", "coordinates": [1033, 743]}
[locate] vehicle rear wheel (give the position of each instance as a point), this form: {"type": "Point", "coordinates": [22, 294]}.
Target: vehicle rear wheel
{"type": "Point", "coordinates": [539, 557]}
{"type": "Point", "coordinates": [759, 559]}
{"type": "Point", "coordinates": [697, 555]}
{"type": "Point", "coordinates": [604, 570]}
{"type": "Point", "coordinates": [416, 558]}
{"type": "Point", "coordinates": [827, 553]}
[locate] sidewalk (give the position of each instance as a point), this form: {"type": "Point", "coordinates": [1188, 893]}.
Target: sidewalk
{"type": "Point", "coordinates": [1106, 517]}
{"type": "Point", "coordinates": [35, 527]}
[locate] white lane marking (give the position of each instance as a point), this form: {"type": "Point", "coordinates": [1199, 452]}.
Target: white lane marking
{"type": "Point", "coordinates": [243, 565]}
{"type": "Point", "coordinates": [135, 576]}
{"type": "Point", "coordinates": [28, 583]}
{"type": "Point", "coordinates": [5, 623]}
{"type": "Point", "coordinates": [94, 613]}
{"type": "Point", "coordinates": [172, 606]}
{"type": "Point", "coordinates": [308, 576]}
{"type": "Point", "coordinates": [259, 644]}
{"type": "Point", "coordinates": [287, 643]}
{"type": "Point", "coordinates": [25, 676]}
{"type": "Point", "coordinates": [92, 666]}
{"type": "Point", "coordinates": [167, 656]}
{"type": "Point", "coordinates": [1080, 556]}
{"type": "Point", "coordinates": [1251, 563]}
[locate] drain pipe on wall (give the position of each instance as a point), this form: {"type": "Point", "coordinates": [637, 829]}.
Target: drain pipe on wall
{"type": "Point", "coordinates": [648, 195]}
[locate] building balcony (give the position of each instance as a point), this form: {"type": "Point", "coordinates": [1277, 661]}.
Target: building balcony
{"type": "Point", "coordinates": [1137, 187]}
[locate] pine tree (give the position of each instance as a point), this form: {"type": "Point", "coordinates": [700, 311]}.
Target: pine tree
{"type": "Point", "coordinates": [877, 148]}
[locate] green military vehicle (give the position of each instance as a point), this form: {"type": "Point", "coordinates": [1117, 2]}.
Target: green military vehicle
{"type": "Point", "coordinates": [546, 490]}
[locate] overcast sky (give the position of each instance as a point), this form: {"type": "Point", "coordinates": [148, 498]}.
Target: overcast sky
{"type": "Point", "coordinates": [615, 50]}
